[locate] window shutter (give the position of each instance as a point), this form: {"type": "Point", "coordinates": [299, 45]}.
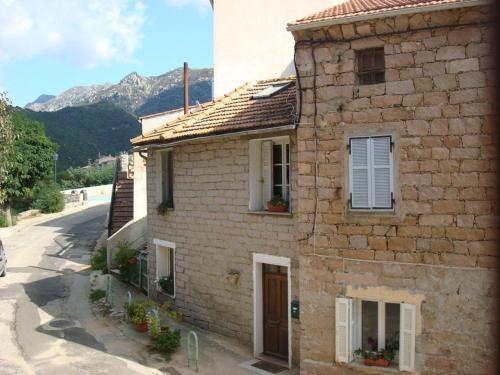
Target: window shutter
{"type": "Point", "coordinates": [407, 337]}
{"type": "Point", "coordinates": [267, 169]}
{"type": "Point", "coordinates": [342, 329]}
{"type": "Point", "coordinates": [359, 173]}
{"type": "Point", "coordinates": [382, 172]}
{"type": "Point", "coordinates": [355, 332]}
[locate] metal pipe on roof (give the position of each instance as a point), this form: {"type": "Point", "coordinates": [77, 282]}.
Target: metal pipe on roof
{"type": "Point", "coordinates": [186, 88]}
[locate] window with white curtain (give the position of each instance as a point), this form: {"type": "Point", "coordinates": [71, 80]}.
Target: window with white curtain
{"type": "Point", "coordinates": [371, 173]}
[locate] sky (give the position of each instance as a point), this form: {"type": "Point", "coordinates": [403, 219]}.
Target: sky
{"type": "Point", "coordinates": [48, 46]}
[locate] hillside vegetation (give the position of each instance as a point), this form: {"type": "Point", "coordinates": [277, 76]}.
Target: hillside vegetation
{"type": "Point", "coordinates": [85, 131]}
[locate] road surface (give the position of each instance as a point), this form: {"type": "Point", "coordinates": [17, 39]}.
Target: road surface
{"type": "Point", "coordinates": [46, 322]}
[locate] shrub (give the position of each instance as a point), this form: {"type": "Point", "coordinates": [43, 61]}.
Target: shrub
{"type": "Point", "coordinates": [97, 294]}
{"type": "Point", "coordinates": [3, 222]}
{"type": "Point", "coordinates": [48, 198]}
{"type": "Point", "coordinates": [98, 261]}
{"type": "Point", "coordinates": [166, 342]}
{"type": "Point", "coordinates": [126, 260]}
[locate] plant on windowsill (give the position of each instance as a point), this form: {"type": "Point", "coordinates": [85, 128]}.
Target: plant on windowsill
{"type": "Point", "coordinates": [277, 204]}
{"type": "Point", "coordinates": [167, 285]}
{"type": "Point", "coordinates": [164, 207]}
{"type": "Point", "coordinates": [380, 358]}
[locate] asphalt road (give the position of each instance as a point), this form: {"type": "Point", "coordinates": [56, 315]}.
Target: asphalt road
{"type": "Point", "coordinates": [46, 322]}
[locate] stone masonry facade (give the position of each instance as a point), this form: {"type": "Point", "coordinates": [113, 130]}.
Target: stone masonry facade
{"type": "Point", "coordinates": [438, 246]}
{"type": "Point", "coordinates": [215, 234]}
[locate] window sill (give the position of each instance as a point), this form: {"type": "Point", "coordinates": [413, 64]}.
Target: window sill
{"type": "Point", "coordinates": [372, 370]}
{"type": "Point", "coordinates": [162, 292]}
{"type": "Point", "coordinates": [286, 214]}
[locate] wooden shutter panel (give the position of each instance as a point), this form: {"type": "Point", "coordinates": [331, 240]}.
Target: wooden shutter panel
{"type": "Point", "coordinates": [355, 332]}
{"type": "Point", "coordinates": [267, 170]}
{"type": "Point", "coordinates": [359, 173]}
{"type": "Point", "coordinates": [382, 172]}
{"type": "Point", "coordinates": [342, 329]}
{"type": "Point", "coordinates": [407, 337]}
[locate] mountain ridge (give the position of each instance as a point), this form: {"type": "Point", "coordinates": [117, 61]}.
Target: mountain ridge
{"type": "Point", "coordinates": [131, 93]}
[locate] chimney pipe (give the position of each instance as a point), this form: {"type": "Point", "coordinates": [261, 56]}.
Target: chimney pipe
{"type": "Point", "coordinates": [186, 88]}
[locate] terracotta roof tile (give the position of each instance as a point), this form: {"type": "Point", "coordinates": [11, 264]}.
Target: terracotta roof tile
{"type": "Point", "coordinates": [236, 111]}
{"type": "Point", "coordinates": [352, 8]}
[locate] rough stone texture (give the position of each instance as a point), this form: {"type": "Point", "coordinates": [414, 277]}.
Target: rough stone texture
{"type": "Point", "coordinates": [438, 242]}
{"type": "Point", "coordinates": [214, 234]}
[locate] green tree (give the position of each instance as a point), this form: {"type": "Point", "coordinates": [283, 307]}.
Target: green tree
{"type": "Point", "coordinates": [31, 160]}
{"type": "Point", "coordinates": [7, 137]}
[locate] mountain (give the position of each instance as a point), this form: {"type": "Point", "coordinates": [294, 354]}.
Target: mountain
{"type": "Point", "coordinates": [83, 132]}
{"type": "Point", "coordinates": [44, 98]}
{"type": "Point", "coordinates": [135, 94]}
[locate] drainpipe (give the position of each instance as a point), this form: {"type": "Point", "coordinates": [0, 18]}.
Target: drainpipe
{"type": "Point", "coordinates": [186, 88]}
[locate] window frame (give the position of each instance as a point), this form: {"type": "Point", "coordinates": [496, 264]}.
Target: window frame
{"type": "Point", "coordinates": [285, 180]}
{"type": "Point", "coordinates": [372, 69]}
{"type": "Point", "coordinates": [260, 176]}
{"type": "Point", "coordinates": [352, 322]}
{"type": "Point", "coordinates": [370, 170]}
{"type": "Point", "coordinates": [166, 188]}
{"type": "Point", "coordinates": [170, 247]}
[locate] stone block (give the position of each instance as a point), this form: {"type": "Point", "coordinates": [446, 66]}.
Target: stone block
{"type": "Point", "coordinates": [450, 53]}
{"type": "Point", "coordinates": [436, 220]}
{"type": "Point", "coordinates": [401, 244]}
{"type": "Point", "coordinates": [465, 65]}
{"type": "Point", "coordinates": [400, 87]}
{"type": "Point", "coordinates": [445, 81]}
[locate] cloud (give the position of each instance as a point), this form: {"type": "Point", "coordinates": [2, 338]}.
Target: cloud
{"type": "Point", "coordinates": [201, 5]}
{"type": "Point", "coordinates": [87, 33]}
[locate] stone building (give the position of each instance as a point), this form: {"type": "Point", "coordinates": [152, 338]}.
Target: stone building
{"type": "Point", "coordinates": [396, 187]}
{"type": "Point", "coordinates": [231, 264]}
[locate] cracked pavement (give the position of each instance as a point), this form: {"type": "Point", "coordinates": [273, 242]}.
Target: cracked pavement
{"type": "Point", "coordinates": [46, 321]}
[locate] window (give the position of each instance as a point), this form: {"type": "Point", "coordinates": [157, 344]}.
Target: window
{"type": "Point", "coordinates": [165, 269]}
{"type": "Point", "coordinates": [375, 326]}
{"type": "Point", "coordinates": [271, 90]}
{"type": "Point", "coordinates": [269, 171]}
{"type": "Point", "coordinates": [371, 173]}
{"type": "Point", "coordinates": [371, 66]}
{"type": "Point", "coordinates": [167, 178]}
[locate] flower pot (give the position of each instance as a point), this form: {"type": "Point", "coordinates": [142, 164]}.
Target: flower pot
{"type": "Point", "coordinates": [141, 327]}
{"type": "Point", "coordinates": [272, 208]}
{"type": "Point", "coordinates": [381, 362]}
{"type": "Point", "coordinates": [132, 261]}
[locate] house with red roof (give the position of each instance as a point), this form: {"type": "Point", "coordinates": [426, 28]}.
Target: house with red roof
{"type": "Point", "coordinates": [340, 221]}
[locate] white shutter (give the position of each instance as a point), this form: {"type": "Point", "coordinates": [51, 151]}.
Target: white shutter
{"type": "Point", "coordinates": [382, 172]}
{"type": "Point", "coordinates": [359, 173]}
{"type": "Point", "coordinates": [342, 329]}
{"type": "Point", "coordinates": [407, 337]}
{"type": "Point", "coordinates": [267, 170]}
{"type": "Point", "coordinates": [355, 332]}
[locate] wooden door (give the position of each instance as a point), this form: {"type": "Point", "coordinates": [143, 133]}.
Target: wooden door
{"type": "Point", "coordinates": [275, 306]}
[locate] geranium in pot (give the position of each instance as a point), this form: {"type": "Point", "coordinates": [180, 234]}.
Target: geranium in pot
{"type": "Point", "coordinates": [277, 204]}
{"type": "Point", "coordinates": [381, 358]}
{"type": "Point", "coordinates": [138, 313]}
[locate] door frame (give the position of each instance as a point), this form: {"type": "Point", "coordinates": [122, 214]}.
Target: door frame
{"type": "Point", "coordinates": [258, 320]}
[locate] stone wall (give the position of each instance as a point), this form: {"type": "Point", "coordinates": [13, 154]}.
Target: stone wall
{"type": "Point", "coordinates": [215, 234]}
{"type": "Point", "coordinates": [440, 240]}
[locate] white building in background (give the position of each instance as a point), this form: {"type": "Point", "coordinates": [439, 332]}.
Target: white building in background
{"type": "Point", "coordinates": [251, 41]}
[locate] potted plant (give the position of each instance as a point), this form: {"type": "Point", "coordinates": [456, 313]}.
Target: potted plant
{"type": "Point", "coordinates": [138, 314]}
{"type": "Point", "coordinates": [380, 358]}
{"type": "Point", "coordinates": [277, 204]}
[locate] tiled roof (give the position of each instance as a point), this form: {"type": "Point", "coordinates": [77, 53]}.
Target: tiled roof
{"type": "Point", "coordinates": [352, 8]}
{"type": "Point", "coordinates": [236, 111]}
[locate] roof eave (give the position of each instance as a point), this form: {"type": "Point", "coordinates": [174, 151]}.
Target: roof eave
{"type": "Point", "coordinates": [386, 14]}
{"type": "Point", "coordinates": [158, 144]}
